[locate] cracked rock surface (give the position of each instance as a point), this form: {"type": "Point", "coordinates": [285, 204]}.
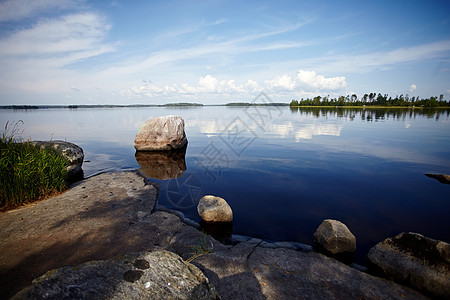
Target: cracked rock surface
{"type": "Point", "coordinates": [113, 214]}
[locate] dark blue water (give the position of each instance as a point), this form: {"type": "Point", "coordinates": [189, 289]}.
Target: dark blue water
{"type": "Point", "coordinates": [282, 171]}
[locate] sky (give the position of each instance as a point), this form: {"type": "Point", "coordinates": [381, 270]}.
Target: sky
{"type": "Point", "coordinates": [213, 52]}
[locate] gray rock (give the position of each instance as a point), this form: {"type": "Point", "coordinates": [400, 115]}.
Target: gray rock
{"type": "Point", "coordinates": [110, 214]}
{"type": "Point", "coordinates": [334, 237]}
{"type": "Point", "coordinates": [249, 271]}
{"type": "Point", "coordinates": [214, 209]}
{"type": "Point", "coordinates": [72, 152]}
{"type": "Point", "coordinates": [160, 134]}
{"type": "Point", "coordinates": [415, 260]}
{"type": "Point", "coordinates": [148, 275]}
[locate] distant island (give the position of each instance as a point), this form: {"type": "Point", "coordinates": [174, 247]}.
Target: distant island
{"type": "Point", "coordinates": [372, 99]}
{"type": "Point", "coordinates": [367, 100]}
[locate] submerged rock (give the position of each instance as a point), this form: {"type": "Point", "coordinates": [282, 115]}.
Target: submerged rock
{"type": "Point", "coordinates": [160, 134]}
{"type": "Point", "coordinates": [214, 209]}
{"type": "Point", "coordinates": [334, 237]}
{"type": "Point", "coordinates": [72, 152]}
{"type": "Point", "coordinates": [415, 260]}
{"type": "Point", "coordinates": [148, 275]}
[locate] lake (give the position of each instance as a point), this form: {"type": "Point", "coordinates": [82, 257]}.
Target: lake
{"type": "Point", "coordinates": [281, 170]}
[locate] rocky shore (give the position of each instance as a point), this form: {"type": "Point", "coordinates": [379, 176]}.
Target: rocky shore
{"type": "Point", "coordinates": [101, 221]}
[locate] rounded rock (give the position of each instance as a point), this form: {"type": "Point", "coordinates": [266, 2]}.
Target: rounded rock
{"type": "Point", "coordinates": [161, 134]}
{"type": "Point", "coordinates": [214, 209]}
{"type": "Point", "coordinates": [72, 152]}
{"type": "Point", "coordinates": [334, 237]}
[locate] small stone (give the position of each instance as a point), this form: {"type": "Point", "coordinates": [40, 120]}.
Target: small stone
{"type": "Point", "coordinates": [214, 209]}
{"type": "Point", "coordinates": [334, 237]}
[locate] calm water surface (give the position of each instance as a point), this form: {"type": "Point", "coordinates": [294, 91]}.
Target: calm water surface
{"type": "Point", "coordinates": [282, 171]}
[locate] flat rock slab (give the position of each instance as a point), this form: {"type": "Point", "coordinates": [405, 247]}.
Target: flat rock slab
{"type": "Point", "coordinates": [112, 214]}
{"type": "Point", "coordinates": [148, 275]}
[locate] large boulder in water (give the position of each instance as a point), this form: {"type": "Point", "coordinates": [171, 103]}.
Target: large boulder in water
{"type": "Point", "coordinates": [334, 237]}
{"type": "Point", "coordinates": [415, 260]}
{"type": "Point", "coordinates": [148, 275]}
{"type": "Point", "coordinates": [162, 133]}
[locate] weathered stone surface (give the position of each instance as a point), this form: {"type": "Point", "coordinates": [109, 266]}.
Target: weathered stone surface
{"type": "Point", "coordinates": [250, 271]}
{"type": "Point", "coordinates": [97, 218]}
{"type": "Point", "coordinates": [214, 209]}
{"type": "Point", "coordinates": [148, 275]}
{"type": "Point", "coordinates": [111, 214]}
{"type": "Point", "coordinates": [334, 237]}
{"type": "Point", "coordinates": [418, 261]}
{"type": "Point", "coordinates": [160, 134]}
{"type": "Point", "coordinates": [162, 164]}
{"type": "Point", "coordinates": [71, 151]}
{"type": "Point", "coordinates": [442, 178]}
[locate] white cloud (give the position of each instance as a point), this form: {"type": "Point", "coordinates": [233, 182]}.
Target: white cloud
{"type": "Point", "coordinates": [379, 60]}
{"type": "Point", "coordinates": [412, 88]}
{"type": "Point", "coordinates": [13, 10]}
{"type": "Point", "coordinates": [283, 82]}
{"type": "Point", "coordinates": [209, 85]}
{"type": "Point", "coordinates": [309, 80]}
{"type": "Point", "coordinates": [79, 33]}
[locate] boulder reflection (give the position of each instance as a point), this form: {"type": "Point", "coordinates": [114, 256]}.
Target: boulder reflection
{"type": "Point", "coordinates": [162, 164]}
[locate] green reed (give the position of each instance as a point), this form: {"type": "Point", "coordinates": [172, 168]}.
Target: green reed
{"type": "Point", "coordinates": [27, 172]}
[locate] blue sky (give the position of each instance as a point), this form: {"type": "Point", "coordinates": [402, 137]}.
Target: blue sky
{"type": "Point", "coordinates": [155, 52]}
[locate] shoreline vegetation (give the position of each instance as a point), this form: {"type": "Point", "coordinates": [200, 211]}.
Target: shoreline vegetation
{"type": "Point", "coordinates": [371, 100]}
{"type": "Point", "coordinates": [27, 172]}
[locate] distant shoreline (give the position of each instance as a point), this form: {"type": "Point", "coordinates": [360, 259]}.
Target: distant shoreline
{"type": "Point", "coordinates": [192, 105]}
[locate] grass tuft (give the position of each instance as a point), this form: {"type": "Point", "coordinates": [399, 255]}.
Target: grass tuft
{"type": "Point", "coordinates": [200, 249]}
{"type": "Point", "coordinates": [28, 173]}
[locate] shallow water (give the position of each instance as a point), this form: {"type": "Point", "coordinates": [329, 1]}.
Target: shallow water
{"type": "Point", "coordinates": [282, 171]}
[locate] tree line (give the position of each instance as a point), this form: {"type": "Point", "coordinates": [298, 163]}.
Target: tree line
{"type": "Point", "coordinates": [373, 99]}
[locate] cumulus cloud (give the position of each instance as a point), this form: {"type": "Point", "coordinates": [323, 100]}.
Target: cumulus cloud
{"type": "Point", "coordinates": [310, 80]}
{"type": "Point", "coordinates": [412, 88]}
{"type": "Point", "coordinates": [304, 82]}
{"type": "Point", "coordinates": [283, 82]}
{"type": "Point", "coordinates": [206, 85]}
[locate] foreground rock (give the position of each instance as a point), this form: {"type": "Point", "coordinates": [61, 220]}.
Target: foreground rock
{"type": "Point", "coordinates": [73, 153]}
{"type": "Point", "coordinates": [161, 134]}
{"type": "Point", "coordinates": [148, 275]}
{"type": "Point", "coordinates": [418, 261]}
{"type": "Point", "coordinates": [111, 214]}
{"type": "Point", "coordinates": [334, 237]}
{"type": "Point", "coordinates": [442, 178]}
{"type": "Point", "coordinates": [214, 209]}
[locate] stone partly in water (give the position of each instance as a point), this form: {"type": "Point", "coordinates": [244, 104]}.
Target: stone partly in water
{"type": "Point", "coordinates": [148, 275]}
{"type": "Point", "coordinates": [73, 153]}
{"type": "Point", "coordinates": [334, 237]}
{"type": "Point", "coordinates": [214, 209]}
{"type": "Point", "coordinates": [161, 134]}
{"type": "Point", "coordinates": [162, 164]}
{"type": "Point", "coordinates": [442, 178]}
{"type": "Point", "coordinates": [415, 260]}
